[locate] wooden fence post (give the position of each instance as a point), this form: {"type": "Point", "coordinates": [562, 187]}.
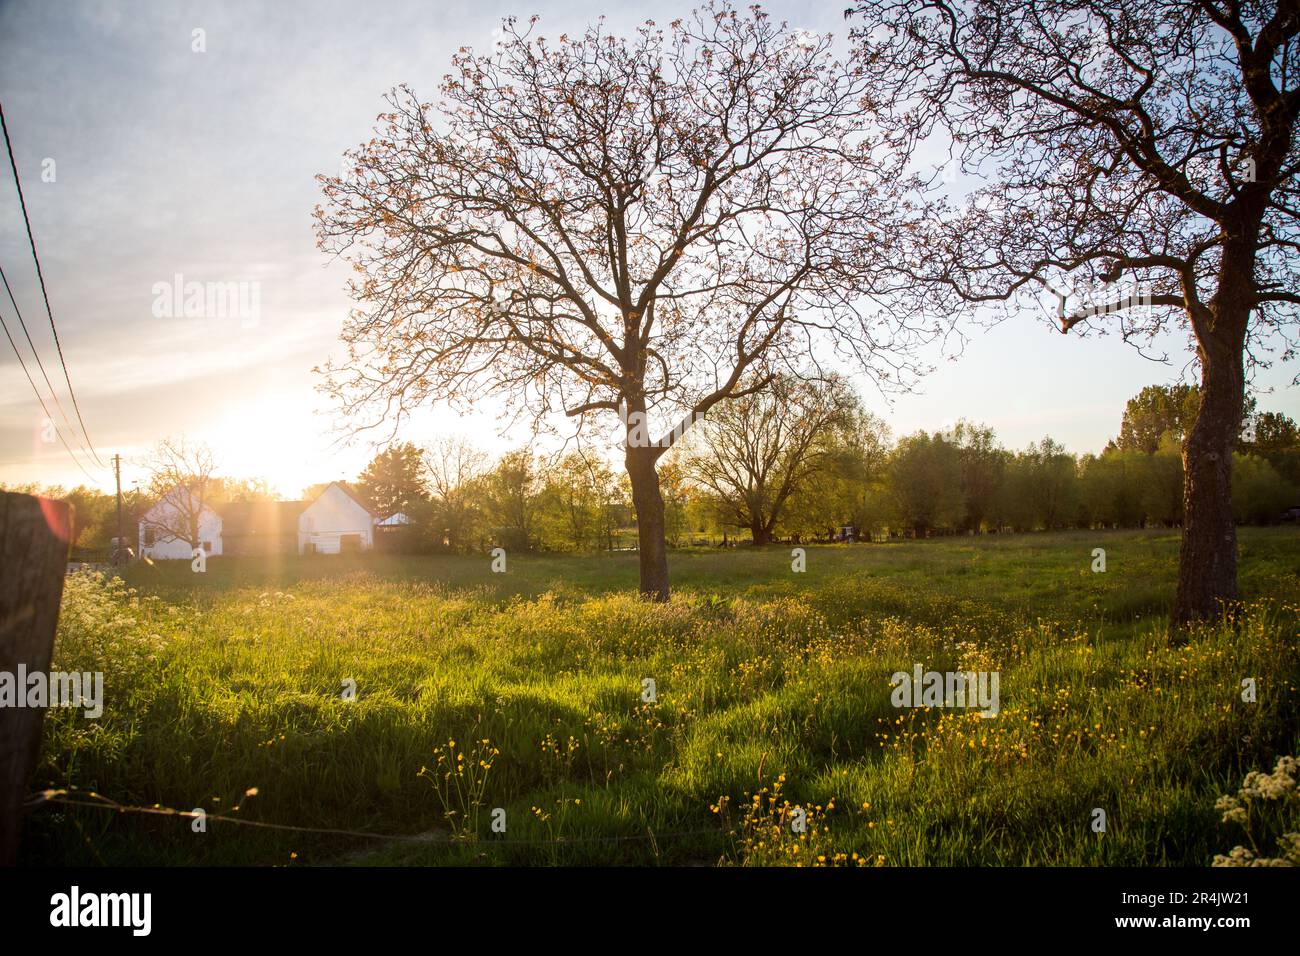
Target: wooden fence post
{"type": "Point", "coordinates": [33, 558]}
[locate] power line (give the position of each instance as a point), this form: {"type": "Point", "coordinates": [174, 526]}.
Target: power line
{"type": "Point", "coordinates": [22, 202]}
{"type": "Point", "coordinates": [48, 416]}
{"type": "Point", "coordinates": [39, 364]}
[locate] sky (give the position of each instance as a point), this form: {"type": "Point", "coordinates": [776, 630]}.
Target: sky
{"type": "Point", "coordinates": [144, 160]}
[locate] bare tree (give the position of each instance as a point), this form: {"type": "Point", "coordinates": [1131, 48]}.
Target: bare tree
{"type": "Point", "coordinates": [453, 466]}
{"type": "Point", "coordinates": [757, 450]}
{"type": "Point", "coordinates": [1150, 141]}
{"type": "Point", "coordinates": [182, 482]}
{"type": "Point", "coordinates": [620, 225]}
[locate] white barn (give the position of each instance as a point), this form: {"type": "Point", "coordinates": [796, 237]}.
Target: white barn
{"type": "Point", "coordinates": [158, 527]}
{"type": "Point", "coordinates": [336, 521]}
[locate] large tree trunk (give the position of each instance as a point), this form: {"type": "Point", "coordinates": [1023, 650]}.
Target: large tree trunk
{"type": "Point", "coordinates": [760, 532]}
{"type": "Point", "coordinates": [649, 504]}
{"type": "Point", "coordinates": [1207, 567]}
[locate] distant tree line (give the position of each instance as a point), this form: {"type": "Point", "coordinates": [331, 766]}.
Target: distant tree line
{"type": "Point", "coordinates": [800, 460]}
{"type": "Point", "coordinates": [806, 461]}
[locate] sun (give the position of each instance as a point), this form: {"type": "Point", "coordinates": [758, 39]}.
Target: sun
{"type": "Point", "coordinates": [279, 439]}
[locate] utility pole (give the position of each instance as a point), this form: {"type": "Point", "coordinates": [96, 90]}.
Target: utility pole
{"type": "Point", "coordinates": [117, 471]}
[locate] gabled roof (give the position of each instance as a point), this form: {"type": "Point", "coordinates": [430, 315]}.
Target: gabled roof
{"type": "Point", "coordinates": [171, 499]}
{"type": "Point", "coordinates": [343, 486]}
{"type": "Point", "coordinates": [261, 517]}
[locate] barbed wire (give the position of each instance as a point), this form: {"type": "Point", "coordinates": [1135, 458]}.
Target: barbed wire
{"type": "Point", "coordinates": [100, 802]}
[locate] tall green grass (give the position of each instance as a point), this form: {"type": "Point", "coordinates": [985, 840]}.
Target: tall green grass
{"type": "Point", "coordinates": [772, 692]}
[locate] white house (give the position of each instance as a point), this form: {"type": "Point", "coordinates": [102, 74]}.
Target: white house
{"type": "Point", "coordinates": [336, 521]}
{"type": "Point", "coordinates": [162, 525]}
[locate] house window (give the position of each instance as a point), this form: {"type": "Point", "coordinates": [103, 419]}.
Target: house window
{"type": "Point", "coordinates": [148, 537]}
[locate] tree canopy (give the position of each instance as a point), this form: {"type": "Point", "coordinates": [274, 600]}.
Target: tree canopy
{"type": "Point", "coordinates": [1136, 160]}
{"type": "Point", "coordinates": [631, 226]}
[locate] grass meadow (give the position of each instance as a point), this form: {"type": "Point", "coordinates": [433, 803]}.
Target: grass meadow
{"type": "Point", "coordinates": [524, 691]}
